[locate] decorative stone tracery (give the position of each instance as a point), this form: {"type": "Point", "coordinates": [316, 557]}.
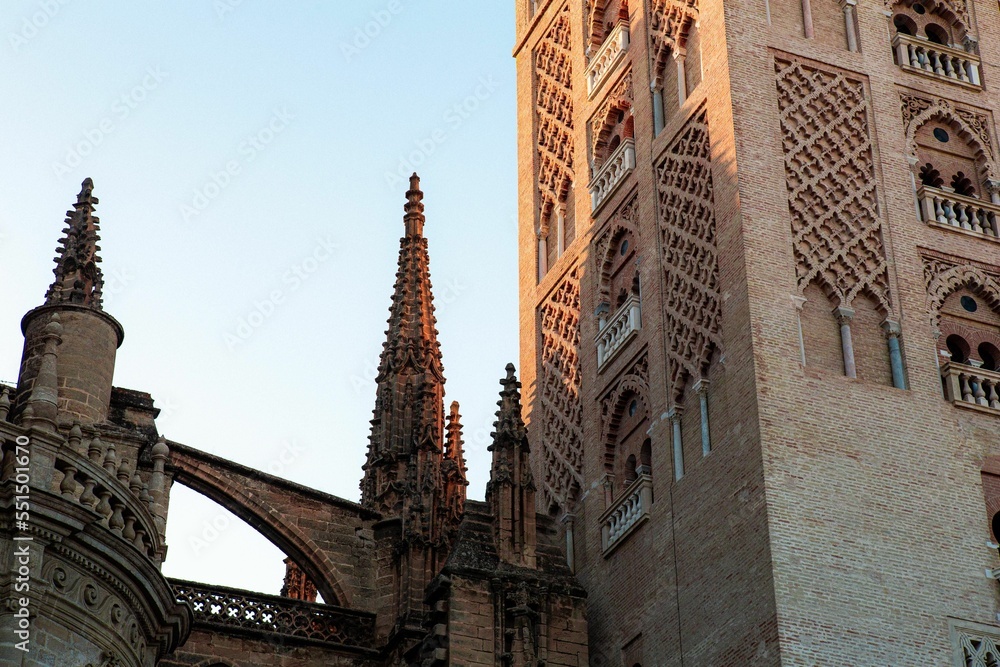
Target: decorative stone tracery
{"type": "Point", "coordinates": [971, 126]}
{"type": "Point", "coordinates": [692, 305]}
{"type": "Point", "coordinates": [945, 274]}
{"type": "Point", "coordinates": [604, 121]}
{"type": "Point", "coordinates": [561, 441]}
{"type": "Point", "coordinates": [624, 223]}
{"type": "Point", "coordinates": [830, 173]}
{"type": "Point", "coordinates": [633, 384]}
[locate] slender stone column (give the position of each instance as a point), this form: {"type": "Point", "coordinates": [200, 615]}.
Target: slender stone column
{"type": "Point", "coordinates": [701, 389]}
{"type": "Point", "coordinates": [560, 230]}
{"type": "Point", "coordinates": [543, 255]}
{"type": "Point", "coordinates": [850, 24]}
{"type": "Point", "coordinates": [674, 415]}
{"type": "Point", "coordinates": [807, 19]}
{"type": "Point", "coordinates": [993, 187]}
{"type": "Point", "coordinates": [844, 317]}
{"type": "Point", "coordinates": [657, 90]}
{"type": "Point", "coordinates": [679, 58]}
{"type": "Point", "coordinates": [800, 301]}
{"type": "Point", "coordinates": [892, 334]}
{"type": "Point", "coordinates": [568, 520]}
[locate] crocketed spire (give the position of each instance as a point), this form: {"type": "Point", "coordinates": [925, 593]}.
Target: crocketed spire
{"type": "Point", "coordinates": [408, 422]}
{"type": "Point", "coordinates": [407, 475]}
{"type": "Point", "coordinates": [78, 277]}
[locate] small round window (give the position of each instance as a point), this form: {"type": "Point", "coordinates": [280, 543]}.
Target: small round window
{"type": "Point", "coordinates": [624, 248]}
{"type": "Point", "coordinates": [969, 304]}
{"type": "Point", "coordinates": [941, 135]}
{"type": "Point", "coordinates": [632, 407]}
{"type": "Point", "coordinates": [918, 8]}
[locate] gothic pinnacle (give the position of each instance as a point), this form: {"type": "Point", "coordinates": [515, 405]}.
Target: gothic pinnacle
{"type": "Point", "coordinates": [414, 208]}
{"type": "Point", "coordinates": [78, 278]}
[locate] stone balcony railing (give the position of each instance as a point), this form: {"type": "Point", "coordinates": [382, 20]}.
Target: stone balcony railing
{"type": "Point", "coordinates": [955, 210]}
{"type": "Point", "coordinates": [104, 486]}
{"type": "Point", "coordinates": [621, 328]}
{"type": "Point", "coordinates": [255, 614]}
{"type": "Point", "coordinates": [971, 387]}
{"type": "Point", "coordinates": [915, 54]}
{"type": "Point", "coordinates": [619, 164]}
{"type": "Point", "coordinates": [603, 63]}
{"type": "Point", "coordinates": [627, 512]}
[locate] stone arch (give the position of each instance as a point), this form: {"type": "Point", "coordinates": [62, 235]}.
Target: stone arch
{"type": "Point", "coordinates": [943, 112]}
{"type": "Point", "coordinates": [957, 17]}
{"type": "Point", "coordinates": [605, 124]}
{"type": "Point", "coordinates": [957, 277]}
{"type": "Point", "coordinates": [630, 386]}
{"type": "Point", "coordinates": [266, 519]}
{"type": "Point", "coordinates": [622, 226]}
{"type": "Point", "coordinates": [595, 25]}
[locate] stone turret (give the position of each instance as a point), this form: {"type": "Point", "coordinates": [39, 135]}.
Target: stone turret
{"type": "Point", "coordinates": [88, 339]}
{"type": "Point", "coordinates": [510, 492]}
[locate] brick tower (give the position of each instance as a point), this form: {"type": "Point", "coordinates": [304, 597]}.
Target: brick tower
{"type": "Point", "coordinates": [760, 308]}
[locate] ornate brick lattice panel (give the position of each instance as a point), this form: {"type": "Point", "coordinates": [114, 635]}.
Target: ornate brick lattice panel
{"type": "Point", "coordinates": [230, 610]}
{"type": "Point", "coordinates": [829, 170]}
{"type": "Point", "coordinates": [669, 21]}
{"type": "Point", "coordinates": [554, 113]}
{"type": "Point", "coordinates": [561, 440]}
{"type": "Point", "coordinates": [690, 259]}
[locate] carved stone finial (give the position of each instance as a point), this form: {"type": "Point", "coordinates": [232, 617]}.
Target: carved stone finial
{"type": "Point", "coordinates": [78, 278]}
{"type": "Point", "coordinates": [414, 208]}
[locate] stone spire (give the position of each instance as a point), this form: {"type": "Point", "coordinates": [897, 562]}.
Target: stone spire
{"type": "Point", "coordinates": [510, 492]}
{"type": "Point", "coordinates": [407, 436]}
{"type": "Point", "coordinates": [405, 476]}
{"type": "Point", "coordinates": [78, 277]}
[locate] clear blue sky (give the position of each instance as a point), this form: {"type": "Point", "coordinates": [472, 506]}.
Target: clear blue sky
{"type": "Point", "coordinates": [249, 157]}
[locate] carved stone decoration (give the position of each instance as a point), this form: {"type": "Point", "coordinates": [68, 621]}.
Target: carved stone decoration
{"type": "Point", "coordinates": [830, 173]}
{"type": "Point", "coordinates": [692, 303]}
{"type": "Point", "coordinates": [618, 100]}
{"type": "Point", "coordinates": [554, 114]}
{"type": "Point", "coordinates": [635, 382]}
{"type": "Point", "coordinates": [624, 221]}
{"type": "Point", "coordinates": [954, 11]}
{"type": "Point", "coordinates": [669, 22]}
{"type": "Point", "coordinates": [561, 440]}
{"type": "Point", "coordinates": [945, 274]}
{"type": "Point", "coordinates": [972, 126]}
{"type": "Point", "coordinates": [219, 608]}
